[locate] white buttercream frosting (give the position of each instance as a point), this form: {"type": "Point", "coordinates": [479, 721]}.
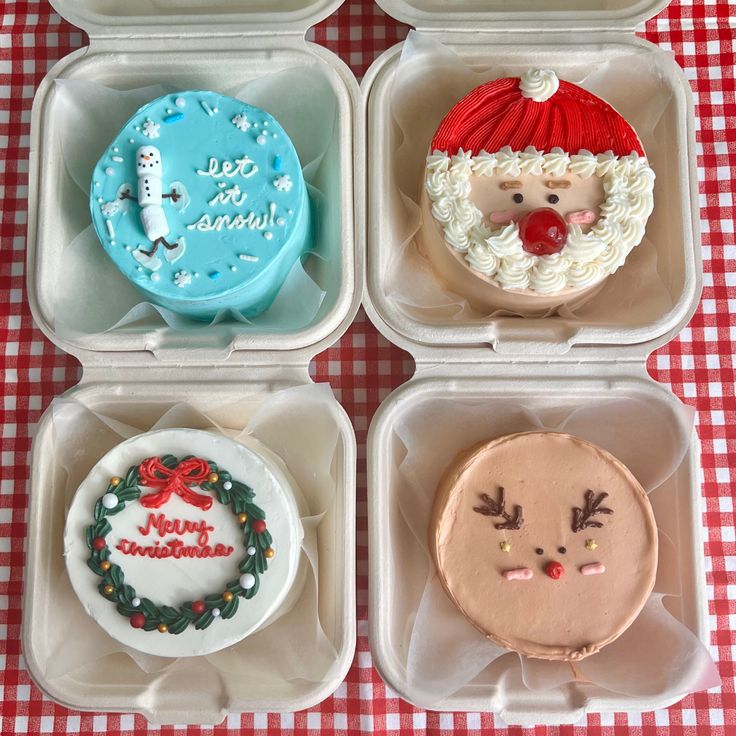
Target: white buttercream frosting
{"type": "Point", "coordinates": [482, 259]}
{"type": "Point", "coordinates": [538, 84]}
{"type": "Point", "coordinates": [531, 161]}
{"type": "Point", "coordinates": [505, 242]}
{"type": "Point", "coordinates": [628, 184]}
{"type": "Point", "coordinates": [556, 162]}
{"type": "Point", "coordinates": [508, 162]}
{"type": "Point", "coordinates": [546, 280]}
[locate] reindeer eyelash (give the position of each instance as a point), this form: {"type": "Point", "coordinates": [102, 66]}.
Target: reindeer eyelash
{"type": "Point", "coordinates": [582, 518]}
{"type": "Point", "coordinates": [498, 508]}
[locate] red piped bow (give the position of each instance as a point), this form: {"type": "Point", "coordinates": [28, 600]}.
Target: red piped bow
{"type": "Point", "coordinates": [177, 480]}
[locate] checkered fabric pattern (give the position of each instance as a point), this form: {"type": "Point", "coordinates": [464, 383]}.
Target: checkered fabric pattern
{"type": "Point", "coordinates": [363, 368]}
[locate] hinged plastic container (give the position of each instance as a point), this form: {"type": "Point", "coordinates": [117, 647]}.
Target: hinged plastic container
{"type": "Point", "coordinates": [132, 374]}
{"type": "Point", "coordinates": [551, 365]}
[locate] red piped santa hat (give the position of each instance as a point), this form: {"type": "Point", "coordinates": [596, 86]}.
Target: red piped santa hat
{"type": "Point", "coordinates": [536, 109]}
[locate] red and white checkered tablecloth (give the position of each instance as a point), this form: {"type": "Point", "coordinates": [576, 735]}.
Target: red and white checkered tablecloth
{"type": "Point", "coordinates": [363, 368]}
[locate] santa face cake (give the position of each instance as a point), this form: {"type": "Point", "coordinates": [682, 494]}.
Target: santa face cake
{"type": "Point", "coordinates": [535, 192]}
{"type": "Point", "coordinates": [182, 542]}
{"type": "Point", "coordinates": [545, 542]}
{"type": "Point", "coordinates": [201, 204]}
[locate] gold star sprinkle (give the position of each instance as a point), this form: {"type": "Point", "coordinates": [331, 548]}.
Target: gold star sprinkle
{"type": "Point", "coordinates": [505, 547]}
{"type": "Point", "coordinates": [591, 544]}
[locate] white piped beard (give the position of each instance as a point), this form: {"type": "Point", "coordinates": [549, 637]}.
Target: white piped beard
{"type": "Point", "coordinates": [498, 253]}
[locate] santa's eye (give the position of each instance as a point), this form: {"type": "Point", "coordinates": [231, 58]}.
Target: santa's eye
{"type": "Point", "coordinates": [518, 198]}
{"type": "Point", "coordinates": [553, 199]}
{"type": "Point", "coordinates": [562, 550]}
{"type": "Point", "coordinates": [539, 551]}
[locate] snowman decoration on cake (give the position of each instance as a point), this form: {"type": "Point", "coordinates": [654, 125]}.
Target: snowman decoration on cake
{"type": "Point", "coordinates": [150, 199]}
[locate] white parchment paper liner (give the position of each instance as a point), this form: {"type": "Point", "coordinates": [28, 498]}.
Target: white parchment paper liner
{"type": "Point", "coordinates": [445, 652]}
{"type": "Point", "coordinates": [91, 295]}
{"type": "Point", "coordinates": [292, 645]}
{"type": "Point", "coordinates": [430, 78]}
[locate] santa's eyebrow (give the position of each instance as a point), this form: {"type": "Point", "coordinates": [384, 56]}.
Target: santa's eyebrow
{"type": "Point", "coordinates": [510, 185]}
{"type": "Point", "coordinates": [558, 184]}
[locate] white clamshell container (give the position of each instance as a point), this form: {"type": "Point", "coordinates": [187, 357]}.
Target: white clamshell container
{"type": "Point", "coordinates": [551, 366]}
{"type": "Point", "coordinates": [225, 371]}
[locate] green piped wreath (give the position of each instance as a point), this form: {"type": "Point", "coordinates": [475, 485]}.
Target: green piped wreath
{"type": "Point", "coordinates": [144, 613]}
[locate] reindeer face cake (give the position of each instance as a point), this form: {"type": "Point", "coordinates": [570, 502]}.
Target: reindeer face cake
{"type": "Point", "coordinates": [535, 192]}
{"type": "Point", "coordinates": [545, 542]}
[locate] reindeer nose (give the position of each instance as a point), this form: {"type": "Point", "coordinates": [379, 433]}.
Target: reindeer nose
{"type": "Point", "coordinates": [554, 569]}
{"type": "Point", "coordinates": [542, 232]}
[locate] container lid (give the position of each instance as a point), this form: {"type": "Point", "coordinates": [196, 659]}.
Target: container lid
{"type": "Point", "coordinates": [194, 17]}
{"type": "Point", "coordinates": [522, 15]}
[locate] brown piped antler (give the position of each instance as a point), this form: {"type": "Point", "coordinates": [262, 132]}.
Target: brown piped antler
{"type": "Point", "coordinates": [582, 518]}
{"type": "Point", "coordinates": [498, 508]}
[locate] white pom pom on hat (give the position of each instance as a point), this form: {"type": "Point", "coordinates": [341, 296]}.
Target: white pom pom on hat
{"type": "Point", "coordinates": [538, 84]}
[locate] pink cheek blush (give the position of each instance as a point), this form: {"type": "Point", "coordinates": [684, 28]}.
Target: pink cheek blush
{"type": "Point", "coordinates": [501, 217]}
{"type": "Point", "coordinates": [581, 217]}
{"type": "Point", "coordinates": [521, 573]}
{"type": "Point", "coordinates": [594, 569]}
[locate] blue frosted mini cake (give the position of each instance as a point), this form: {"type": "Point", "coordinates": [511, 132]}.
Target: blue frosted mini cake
{"type": "Point", "coordinates": [201, 203]}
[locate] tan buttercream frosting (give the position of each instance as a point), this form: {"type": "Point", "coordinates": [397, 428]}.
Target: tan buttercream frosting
{"type": "Point", "coordinates": [498, 578]}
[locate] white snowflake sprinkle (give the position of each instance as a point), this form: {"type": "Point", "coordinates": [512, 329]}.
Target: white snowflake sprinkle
{"type": "Point", "coordinates": [283, 183]}
{"type": "Point", "coordinates": [150, 129]}
{"type": "Point", "coordinates": [182, 279]}
{"type": "Point", "coordinates": [241, 122]}
{"type": "Point", "coordinates": [110, 208]}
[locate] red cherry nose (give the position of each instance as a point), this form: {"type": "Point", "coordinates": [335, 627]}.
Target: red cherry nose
{"type": "Point", "coordinates": [554, 569]}
{"type": "Point", "coordinates": [542, 232]}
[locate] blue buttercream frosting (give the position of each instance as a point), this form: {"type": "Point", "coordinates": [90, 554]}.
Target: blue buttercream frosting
{"type": "Point", "coordinates": [201, 203]}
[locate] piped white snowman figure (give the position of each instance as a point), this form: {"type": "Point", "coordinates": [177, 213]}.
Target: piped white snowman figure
{"type": "Point", "coordinates": [150, 199]}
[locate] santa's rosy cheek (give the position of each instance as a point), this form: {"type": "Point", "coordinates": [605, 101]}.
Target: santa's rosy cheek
{"type": "Point", "coordinates": [580, 217]}
{"type": "Point", "coordinates": [595, 568]}
{"type": "Point", "coordinates": [520, 573]}
{"type": "Point", "coordinates": [501, 217]}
